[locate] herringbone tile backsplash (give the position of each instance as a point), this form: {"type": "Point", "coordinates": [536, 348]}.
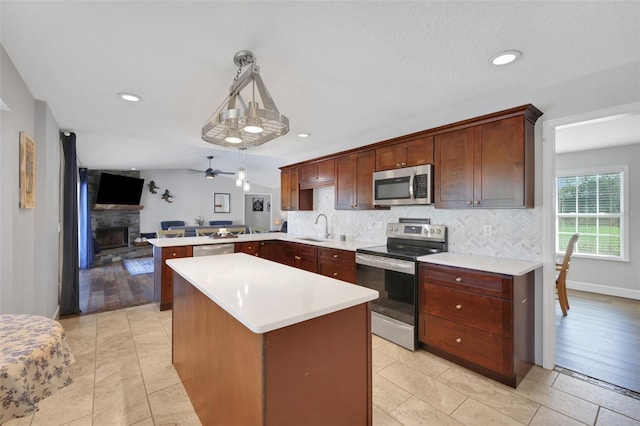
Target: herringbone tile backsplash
{"type": "Point", "coordinates": [515, 233]}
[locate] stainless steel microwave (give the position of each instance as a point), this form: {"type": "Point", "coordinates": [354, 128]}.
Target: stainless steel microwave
{"type": "Point", "coordinates": [409, 185]}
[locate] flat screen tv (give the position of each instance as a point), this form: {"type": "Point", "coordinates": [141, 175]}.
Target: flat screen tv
{"type": "Point", "coordinates": [117, 189]}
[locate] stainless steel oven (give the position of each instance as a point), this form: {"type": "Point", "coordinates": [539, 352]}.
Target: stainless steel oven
{"type": "Point", "coordinates": [392, 271]}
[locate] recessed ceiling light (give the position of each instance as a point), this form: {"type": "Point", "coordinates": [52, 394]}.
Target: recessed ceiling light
{"type": "Point", "coordinates": [130, 97]}
{"type": "Point", "coordinates": [506, 57]}
{"type": "Point", "coordinates": [304, 135]}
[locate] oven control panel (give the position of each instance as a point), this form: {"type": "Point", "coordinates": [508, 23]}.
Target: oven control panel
{"type": "Point", "coordinates": [417, 231]}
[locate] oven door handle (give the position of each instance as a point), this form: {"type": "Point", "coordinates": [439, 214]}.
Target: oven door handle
{"type": "Point", "coordinates": [397, 265]}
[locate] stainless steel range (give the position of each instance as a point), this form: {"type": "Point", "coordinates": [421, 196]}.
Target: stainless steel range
{"type": "Point", "coordinates": [392, 270]}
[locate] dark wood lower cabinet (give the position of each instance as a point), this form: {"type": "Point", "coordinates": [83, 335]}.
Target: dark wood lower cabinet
{"type": "Point", "coordinates": [163, 275]}
{"type": "Point", "coordinates": [316, 372]}
{"type": "Point", "coordinates": [480, 320]}
{"type": "Point", "coordinates": [338, 264]}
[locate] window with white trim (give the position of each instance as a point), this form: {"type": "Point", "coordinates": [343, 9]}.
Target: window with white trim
{"type": "Point", "coordinates": [591, 202]}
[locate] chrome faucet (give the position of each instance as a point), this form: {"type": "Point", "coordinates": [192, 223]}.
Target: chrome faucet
{"type": "Point", "coordinates": [326, 224]}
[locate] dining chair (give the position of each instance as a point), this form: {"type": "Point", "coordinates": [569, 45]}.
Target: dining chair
{"type": "Point", "coordinates": [562, 269]}
{"type": "Point", "coordinates": [173, 233]}
{"type": "Point", "coordinates": [206, 232]}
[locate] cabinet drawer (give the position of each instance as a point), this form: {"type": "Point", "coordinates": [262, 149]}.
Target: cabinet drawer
{"type": "Point", "coordinates": [339, 271]}
{"type": "Point", "coordinates": [307, 251]}
{"type": "Point", "coordinates": [175, 252]}
{"type": "Point", "coordinates": [248, 247]}
{"type": "Point", "coordinates": [486, 283]}
{"type": "Point", "coordinates": [481, 312]}
{"type": "Point", "coordinates": [337, 255]}
{"type": "Point", "coordinates": [485, 349]}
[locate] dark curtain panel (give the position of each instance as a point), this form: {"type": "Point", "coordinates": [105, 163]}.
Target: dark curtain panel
{"type": "Point", "coordinates": [70, 295]}
{"type": "Point", "coordinates": [86, 236]}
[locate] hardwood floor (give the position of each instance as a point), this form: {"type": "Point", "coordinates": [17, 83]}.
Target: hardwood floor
{"type": "Point", "coordinates": [599, 338]}
{"type": "Point", "coordinates": [111, 287]}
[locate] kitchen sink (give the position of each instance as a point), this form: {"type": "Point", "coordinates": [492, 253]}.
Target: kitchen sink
{"type": "Point", "coordinates": [317, 240]}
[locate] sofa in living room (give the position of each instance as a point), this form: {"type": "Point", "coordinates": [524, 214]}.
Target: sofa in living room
{"type": "Point", "coordinates": [190, 231]}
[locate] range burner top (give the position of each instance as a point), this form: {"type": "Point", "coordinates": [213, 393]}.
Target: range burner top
{"type": "Point", "coordinates": [408, 241]}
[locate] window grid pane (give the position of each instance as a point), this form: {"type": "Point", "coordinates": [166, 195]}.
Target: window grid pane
{"type": "Point", "coordinates": [590, 205]}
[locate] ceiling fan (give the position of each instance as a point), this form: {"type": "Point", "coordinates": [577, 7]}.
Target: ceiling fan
{"type": "Point", "coordinates": [211, 173]}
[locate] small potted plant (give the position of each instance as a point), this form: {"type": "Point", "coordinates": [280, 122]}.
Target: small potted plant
{"type": "Point", "coordinates": [199, 221]}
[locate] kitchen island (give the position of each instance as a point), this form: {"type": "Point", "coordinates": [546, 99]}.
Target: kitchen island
{"type": "Point", "coordinates": [260, 343]}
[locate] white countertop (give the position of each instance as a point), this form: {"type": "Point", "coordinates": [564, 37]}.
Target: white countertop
{"type": "Point", "coordinates": [195, 241]}
{"type": "Point", "coordinates": [265, 295]}
{"type": "Point", "coordinates": [498, 265]}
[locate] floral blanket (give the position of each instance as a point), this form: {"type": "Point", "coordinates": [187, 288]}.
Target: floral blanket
{"type": "Point", "coordinates": [34, 362]}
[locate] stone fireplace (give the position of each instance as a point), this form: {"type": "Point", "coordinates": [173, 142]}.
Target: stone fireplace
{"type": "Point", "coordinates": [115, 228]}
{"type": "Point", "coordinates": [112, 237]}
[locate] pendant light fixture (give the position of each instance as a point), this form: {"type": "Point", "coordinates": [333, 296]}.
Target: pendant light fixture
{"type": "Point", "coordinates": [245, 125]}
{"type": "Point", "coordinates": [241, 175]}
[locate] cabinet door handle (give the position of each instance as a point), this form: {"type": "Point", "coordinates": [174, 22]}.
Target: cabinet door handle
{"type": "Point", "coordinates": [397, 164]}
{"type": "Point", "coordinates": [297, 257]}
{"type": "Point", "coordinates": [458, 306]}
{"type": "Point", "coordinates": [173, 254]}
{"type": "Point", "coordinates": [403, 164]}
{"type": "Point", "coordinates": [335, 274]}
{"type": "Point", "coordinates": [469, 203]}
{"type": "Point", "coordinates": [335, 256]}
{"type": "Point", "coordinates": [459, 340]}
{"type": "Point", "coordinates": [477, 202]}
{"type": "Point", "coordinates": [250, 248]}
{"type": "Point", "coordinates": [458, 279]}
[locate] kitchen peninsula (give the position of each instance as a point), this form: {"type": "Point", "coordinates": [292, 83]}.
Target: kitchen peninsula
{"type": "Point", "coordinates": [293, 250]}
{"type": "Point", "coordinates": [258, 342]}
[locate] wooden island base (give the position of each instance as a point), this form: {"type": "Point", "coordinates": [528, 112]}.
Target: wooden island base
{"type": "Point", "coordinates": [316, 372]}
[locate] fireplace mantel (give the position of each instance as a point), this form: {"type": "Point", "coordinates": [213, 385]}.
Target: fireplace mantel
{"type": "Point", "coordinates": [116, 207]}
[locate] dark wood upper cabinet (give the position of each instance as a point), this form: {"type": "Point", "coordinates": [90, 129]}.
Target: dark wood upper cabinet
{"type": "Point", "coordinates": [318, 174]}
{"type": "Point", "coordinates": [354, 182]}
{"type": "Point", "coordinates": [486, 161]}
{"type": "Point", "coordinates": [291, 196]}
{"type": "Point", "coordinates": [414, 152]}
{"type": "Point", "coordinates": [489, 165]}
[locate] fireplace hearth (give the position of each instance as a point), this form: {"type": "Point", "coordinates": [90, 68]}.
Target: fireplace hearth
{"type": "Point", "coordinates": [112, 237]}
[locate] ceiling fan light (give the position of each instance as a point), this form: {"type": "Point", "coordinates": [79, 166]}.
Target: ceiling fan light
{"type": "Point", "coordinates": [239, 182]}
{"type": "Point", "coordinates": [209, 174]}
{"type": "Point", "coordinates": [242, 174]}
{"type": "Point", "coordinates": [246, 186]}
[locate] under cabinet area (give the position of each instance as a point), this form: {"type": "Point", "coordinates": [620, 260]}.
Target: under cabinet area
{"type": "Point", "coordinates": [481, 320]}
{"type": "Point", "coordinates": [163, 281]}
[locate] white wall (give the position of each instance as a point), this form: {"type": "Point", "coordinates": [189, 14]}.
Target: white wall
{"type": "Point", "coordinates": [608, 276]}
{"type": "Point", "coordinates": [193, 197]}
{"type": "Point", "coordinates": [29, 241]}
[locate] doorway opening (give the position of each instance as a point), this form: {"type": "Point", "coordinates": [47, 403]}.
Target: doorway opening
{"type": "Point", "coordinates": [257, 212]}
{"type": "Point", "coordinates": [596, 338]}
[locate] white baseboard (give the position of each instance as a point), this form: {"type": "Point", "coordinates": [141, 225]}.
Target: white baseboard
{"type": "Point", "coordinates": [604, 289]}
{"type": "Point", "coordinates": [56, 315]}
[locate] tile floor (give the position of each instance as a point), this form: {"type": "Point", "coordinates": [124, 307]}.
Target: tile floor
{"type": "Point", "coordinates": [123, 376]}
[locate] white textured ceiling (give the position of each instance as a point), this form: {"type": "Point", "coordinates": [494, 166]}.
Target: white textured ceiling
{"type": "Point", "coordinates": [349, 73]}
